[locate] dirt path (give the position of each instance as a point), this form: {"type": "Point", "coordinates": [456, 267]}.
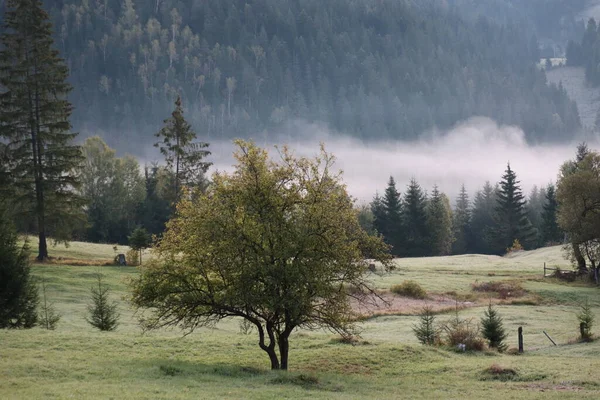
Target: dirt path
{"type": "Point", "coordinates": [391, 304]}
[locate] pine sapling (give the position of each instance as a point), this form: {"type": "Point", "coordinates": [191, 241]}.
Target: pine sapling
{"type": "Point", "coordinates": [48, 317]}
{"type": "Point", "coordinates": [102, 314]}
{"type": "Point", "coordinates": [586, 321]}
{"type": "Point", "coordinates": [492, 329]}
{"type": "Point", "coordinates": [425, 329]}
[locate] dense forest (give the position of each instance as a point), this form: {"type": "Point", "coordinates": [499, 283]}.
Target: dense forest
{"type": "Point", "coordinates": [554, 22]}
{"type": "Point", "coordinates": [586, 53]}
{"type": "Point", "coordinates": [371, 69]}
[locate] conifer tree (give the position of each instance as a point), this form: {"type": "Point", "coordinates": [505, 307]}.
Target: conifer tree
{"type": "Point", "coordinates": [378, 211]}
{"type": "Point", "coordinates": [34, 120]}
{"type": "Point", "coordinates": [102, 313]}
{"type": "Point", "coordinates": [510, 216]}
{"type": "Point", "coordinates": [551, 232]}
{"type": "Point", "coordinates": [461, 223]}
{"type": "Point", "coordinates": [492, 328]}
{"type": "Point", "coordinates": [482, 219]}
{"type": "Point", "coordinates": [415, 221]}
{"type": "Point", "coordinates": [439, 223]}
{"type": "Point", "coordinates": [183, 156]}
{"type": "Point", "coordinates": [18, 292]}
{"type": "Point", "coordinates": [392, 207]}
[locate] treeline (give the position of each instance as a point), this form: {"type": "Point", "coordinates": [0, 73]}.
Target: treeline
{"type": "Point", "coordinates": [499, 219]}
{"type": "Point", "coordinates": [371, 69]}
{"type": "Point", "coordinates": [587, 53]}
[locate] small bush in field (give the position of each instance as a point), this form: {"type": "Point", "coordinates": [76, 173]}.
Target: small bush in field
{"type": "Point", "coordinates": [463, 332]}
{"type": "Point", "coordinates": [516, 246]}
{"type": "Point", "coordinates": [133, 257]}
{"type": "Point", "coordinates": [409, 289]}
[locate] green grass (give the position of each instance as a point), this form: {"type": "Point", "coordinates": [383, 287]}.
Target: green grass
{"type": "Point", "coordinates": [76, 361]}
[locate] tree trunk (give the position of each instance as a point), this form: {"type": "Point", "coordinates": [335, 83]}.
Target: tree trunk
{"type": "Point", "coordinates": [273, 357]}
{"type": "Point", "coordinates": [581, 266]}
{"type": "Point", "coordinates": [284, 348]}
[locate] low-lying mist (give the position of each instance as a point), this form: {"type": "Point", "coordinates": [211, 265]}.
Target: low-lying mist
{"type": "Point", "coordinates": [472, 153]}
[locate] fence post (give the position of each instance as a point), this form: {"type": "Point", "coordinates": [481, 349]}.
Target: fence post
{"type": "Point", "coordinates": [544, 269]}
{"type": "Point", "coordinates": [548, 336]}
{"type": "Point", "coordinates": [520, 330]}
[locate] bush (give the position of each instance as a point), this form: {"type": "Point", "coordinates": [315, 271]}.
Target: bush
{"type": "Point", "coordinates": [103, 315]}
{"type": "Point", "coordinates": [492, 329]}
{"type": "Point", "coordinates": [18, 291]}
{"type": "Point", "coordinates": [425, 330]}
{"type": "Point", "coordinates": [133, 257]}
{"type": "Point", "coordinates": [409, 289]}
{"type": "Point", "coordinates": [586, 321]}
{"type": "Point", "coordinates": [516, 246]}
{"type": "Point", "coordinates": [463, 334]}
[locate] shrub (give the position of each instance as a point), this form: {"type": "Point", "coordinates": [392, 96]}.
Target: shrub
{"type": "Point", "coordinates": [425, 330]}
{"type": "Point", "coordinates": [409, 289]}
{"type": "Point", "coordinates": [586, 321]}
{"type": "Point", "coordinates": [103, 315]}
{"type": "Point", "coordinates": [463, 332]}
{"type": "Point", "coordinates": [133, 257]}
{"type": "Point", "coordinates": [18, 291]}
{"type": "Point", "coordinates": [516, 246]}
{"type": "Point", "coordinates": [492, 329]}
{"type": "Point", "coordinates": [504, 289]}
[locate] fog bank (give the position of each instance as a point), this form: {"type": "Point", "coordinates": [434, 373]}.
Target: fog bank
{"type": "Point", "coordinates": [472, 153]}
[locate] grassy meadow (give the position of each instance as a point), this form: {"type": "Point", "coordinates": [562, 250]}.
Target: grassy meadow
{"type": "Point", "coordinates": [76, 361]}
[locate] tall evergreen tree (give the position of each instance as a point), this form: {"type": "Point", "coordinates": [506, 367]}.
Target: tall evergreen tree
{"type": "Point", "coordinates": [392, 206]}
{"type": "Point", "coordinates": [482, 220]}
{"type": "Point", "coordinates": [34, 119]}
{"type": "Point", "coordinates": [535, 208]}
{"type": "Point", "coordinates": [510, 216]}
{"type": "Point", "coordinates": [183, 156]}
{"type": "Point", "coordinates": [378, 211]}
{"type": "Point", "coordinates": [439, 223]}
{"type": "Point", "coordinates": [551, 232]}
{"type": "Point", "coordinates": [415, 221]}
{"type": "Point", "coordinates": [461, 223]}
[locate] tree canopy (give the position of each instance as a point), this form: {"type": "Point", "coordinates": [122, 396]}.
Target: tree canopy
{"type": "Point", "coordinates": [277, 243]}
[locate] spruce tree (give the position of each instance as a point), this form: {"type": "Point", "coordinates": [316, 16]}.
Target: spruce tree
{"type": "Point", "coordinates": [139, 240]}
{"type": "Point", "coordinates": [34, 120]}
{"type": "Point", "coordinates": [102, 314]}
{"type": "Point", "coordinates": [415, 221]}
{"type": "Point", "coordinates": [379, 220]}
{"type": "Point", "coordinates": [492, 329]}
{"type": "Point", "coordinates": [439, 223]}
{"type": "Point", "coordinates": [482, 219]}
{"type": "Point", "coordinates": [461, 223]}
{"type": "Point", "coordinates": [392, 207]}
{"type": "Point", "coordinates": [551, 232]}
{"type": "Point", "coordinates": [510, 216]}
{"type": "Point", "coordinates": [183, 156]}
{"type": "Point", "coordinates": [18, 291]}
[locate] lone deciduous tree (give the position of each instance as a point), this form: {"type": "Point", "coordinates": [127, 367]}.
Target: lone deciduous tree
{"type": "Point", "coordinates": [34, 120]}
{"type": "Point", "coordinates": [275, 243]}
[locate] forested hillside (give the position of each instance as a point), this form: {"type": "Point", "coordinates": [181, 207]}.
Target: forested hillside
{"type": "Point", "coordinates": [371, 69]}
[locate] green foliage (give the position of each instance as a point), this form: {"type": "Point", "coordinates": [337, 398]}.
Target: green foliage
{"type": "Point", "coordinates": [34, 122]}
{"type": "Point", "coordinates": [102, 314]}
{"type": "Point", "coordinates": [585, 316]}
{"type": "Point", "coordinates": [114, 189]}
{"type": "Point", "coordinates": [274, 242]}
{"type": "Point", "coordinates": [409, 289]}
{"type": "Point", "coordinates": [133, 257]}
{"type": "Point", "coordinates": [482, 219]}
{"type": "Point", "coordinates": [461, 224]}
{"type": "Point", "coordinates": [551, 232]}
{"type": "Point", "coordinates": [425, 329]}
{"type": "Point", "coordinates": [492, 329]}
{"type": "Point", "coordinates": [414, 220]}
{"type": "Point", "coordinates": [18, 291]}
{"type": "Point", "coordinates": [48, 317]}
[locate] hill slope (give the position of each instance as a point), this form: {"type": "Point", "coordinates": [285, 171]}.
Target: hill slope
{"type": "Point", "coordinates": [372, 69]}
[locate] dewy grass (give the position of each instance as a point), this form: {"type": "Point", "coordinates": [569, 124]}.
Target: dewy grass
{"type": "Point", "coordinates": [76, 361]}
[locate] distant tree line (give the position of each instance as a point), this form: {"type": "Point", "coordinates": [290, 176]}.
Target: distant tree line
{"type": "Point", "coordinates": [586, 53]}
{"type": "Point", "coordinates": [384, 69]}
{"type": "Point", "coordinates": [417, 225]}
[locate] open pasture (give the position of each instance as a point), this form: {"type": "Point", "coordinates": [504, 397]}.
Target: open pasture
{"type": "Point", "coordinates": [76, 361]}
